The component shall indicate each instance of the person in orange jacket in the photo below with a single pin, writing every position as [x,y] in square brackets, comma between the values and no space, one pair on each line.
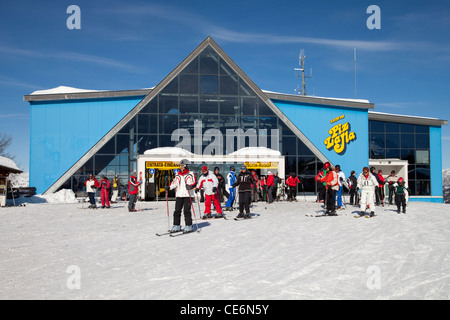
[332,185]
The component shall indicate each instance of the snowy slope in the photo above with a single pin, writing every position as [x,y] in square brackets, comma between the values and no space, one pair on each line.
[280,254]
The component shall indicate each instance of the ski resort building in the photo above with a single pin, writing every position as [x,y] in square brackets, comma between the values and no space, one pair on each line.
[209,107]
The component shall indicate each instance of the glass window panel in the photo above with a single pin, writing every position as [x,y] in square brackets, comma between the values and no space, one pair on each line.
[164,140]
[122,160]
[392,140]
[290,165]
[249,106]
[249,122]
[393,153]
[151,107]
[228,122]
[109,147]
[392,127]
[377,154]
[404,127]
[376,126]
[409,155]
[244,89]
[209,84]
[209,104]
[123,143]
[168,103]
[225,69]
[289,145]
[168,124]
[423,172]
[209,121]
[423,188]
[303,149]
[229,105]
[411,172]
[209,63]
[147,123]
[267,123]
[264,109]
[422,141]
[407,141]
[171,87]
[307,165]
[412,187]
[188,84]
[192,67]
[146,142]
[129,127]
[377,141]
[284,129]
[101,163]
[422,129]
[229,85]
[308,183]
[188,104]
[422,156]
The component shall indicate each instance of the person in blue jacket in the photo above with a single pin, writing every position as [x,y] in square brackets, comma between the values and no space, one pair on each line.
[231,178]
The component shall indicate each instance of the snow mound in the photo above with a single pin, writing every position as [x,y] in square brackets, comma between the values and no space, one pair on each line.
[60,197]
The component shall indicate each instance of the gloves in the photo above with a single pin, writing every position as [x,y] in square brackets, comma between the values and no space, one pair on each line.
[214,189]
[189,187]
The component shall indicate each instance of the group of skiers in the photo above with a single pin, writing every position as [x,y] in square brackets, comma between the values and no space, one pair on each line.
[109,191]
[368,188]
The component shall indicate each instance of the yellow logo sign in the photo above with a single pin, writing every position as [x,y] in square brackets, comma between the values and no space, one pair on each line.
[261,165]
[166,165]
[340,136]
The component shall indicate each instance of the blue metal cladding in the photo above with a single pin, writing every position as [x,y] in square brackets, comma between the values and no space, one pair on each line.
[319,123]
[63,131]
[436,162]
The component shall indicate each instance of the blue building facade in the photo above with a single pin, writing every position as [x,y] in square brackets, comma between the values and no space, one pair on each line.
[102,132]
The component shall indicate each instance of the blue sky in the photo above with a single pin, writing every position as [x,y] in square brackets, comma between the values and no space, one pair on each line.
[404,67]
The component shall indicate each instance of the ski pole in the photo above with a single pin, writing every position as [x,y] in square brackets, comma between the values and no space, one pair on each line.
[193,211]
[198,203]
[168,215]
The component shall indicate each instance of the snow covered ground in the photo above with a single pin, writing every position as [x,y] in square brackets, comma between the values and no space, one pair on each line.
[59,251]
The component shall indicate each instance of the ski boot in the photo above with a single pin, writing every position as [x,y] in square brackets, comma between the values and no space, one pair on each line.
[188,229]
[175,228]
[247,216]
[218,216]
[240,215]
[207,216]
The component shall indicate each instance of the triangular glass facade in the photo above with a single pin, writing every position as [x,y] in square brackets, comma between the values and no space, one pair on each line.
[207,89]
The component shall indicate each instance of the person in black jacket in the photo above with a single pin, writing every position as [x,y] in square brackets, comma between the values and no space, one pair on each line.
[245,182]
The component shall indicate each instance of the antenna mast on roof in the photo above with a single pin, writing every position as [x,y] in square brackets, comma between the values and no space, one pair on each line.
[301,74]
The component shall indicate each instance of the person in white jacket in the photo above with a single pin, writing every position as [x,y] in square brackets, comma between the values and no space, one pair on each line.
[184,183]
[209,183]
[366,184]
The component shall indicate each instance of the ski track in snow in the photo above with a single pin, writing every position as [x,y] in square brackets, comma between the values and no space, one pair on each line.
[282,254]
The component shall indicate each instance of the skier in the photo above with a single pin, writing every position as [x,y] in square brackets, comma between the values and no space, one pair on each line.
[231,178]
[377,189]
[391,180]
[221,186]
[91,184]
[400,195]
[133,189]
[245,181]
[332,185]
[115,188]
[292,185]
[381,183]
[341,180]
[321,185]
[270,182]
[352,183]
[105,187]
[209,183]
[184,183]
[367,184]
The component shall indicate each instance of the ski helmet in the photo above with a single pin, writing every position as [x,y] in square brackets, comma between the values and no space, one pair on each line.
[400,180]
[326,165]
[185,163]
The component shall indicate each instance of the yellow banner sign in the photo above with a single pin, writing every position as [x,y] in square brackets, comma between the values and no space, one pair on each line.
[162,165]
[261,165]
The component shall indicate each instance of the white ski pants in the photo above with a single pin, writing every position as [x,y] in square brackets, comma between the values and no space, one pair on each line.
[367,198]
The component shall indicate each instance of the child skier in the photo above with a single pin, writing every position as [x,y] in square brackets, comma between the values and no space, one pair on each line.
[209,183]
[367,183]
[184,183]
[245,182]
[400,196]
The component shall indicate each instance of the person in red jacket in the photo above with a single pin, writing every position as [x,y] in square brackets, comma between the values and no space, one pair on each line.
[105,187]
[133,189]
[332,185]
[292,184]
[381,182]
[270,186]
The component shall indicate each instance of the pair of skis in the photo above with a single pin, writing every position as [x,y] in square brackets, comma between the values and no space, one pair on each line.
[177,233]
